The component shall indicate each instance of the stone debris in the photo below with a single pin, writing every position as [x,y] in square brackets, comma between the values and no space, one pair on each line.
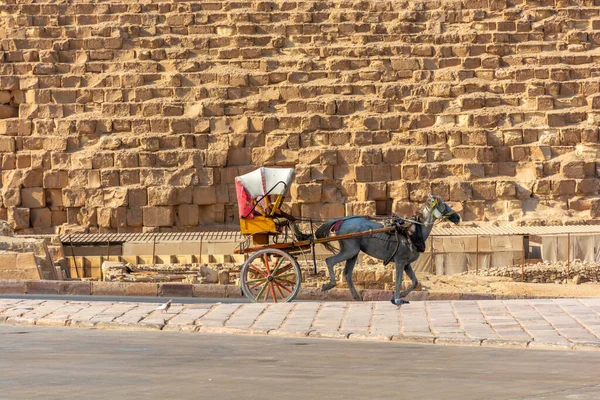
[119,271]
[25,258]
[559,272]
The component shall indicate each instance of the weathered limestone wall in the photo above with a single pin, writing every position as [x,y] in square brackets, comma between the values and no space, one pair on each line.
[128,116]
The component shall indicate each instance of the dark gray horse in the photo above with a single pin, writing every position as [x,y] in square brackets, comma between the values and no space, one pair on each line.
[382,246]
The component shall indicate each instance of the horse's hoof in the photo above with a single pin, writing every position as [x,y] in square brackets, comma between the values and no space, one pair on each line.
[399,302]
[325,287]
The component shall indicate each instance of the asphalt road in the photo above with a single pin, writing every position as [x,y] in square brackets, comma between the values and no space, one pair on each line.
[61,363]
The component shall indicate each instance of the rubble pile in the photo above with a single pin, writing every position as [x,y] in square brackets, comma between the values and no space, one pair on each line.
[25,258]
[559,272]
[185,273]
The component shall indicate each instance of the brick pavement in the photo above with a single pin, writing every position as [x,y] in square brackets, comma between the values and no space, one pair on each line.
[538,323]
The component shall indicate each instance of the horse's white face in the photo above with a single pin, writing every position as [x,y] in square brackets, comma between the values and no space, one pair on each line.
[441,210]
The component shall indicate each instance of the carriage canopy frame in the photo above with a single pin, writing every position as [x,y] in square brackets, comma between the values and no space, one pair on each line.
[253,187]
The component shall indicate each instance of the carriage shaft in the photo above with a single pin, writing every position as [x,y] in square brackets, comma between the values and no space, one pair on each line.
[306,243]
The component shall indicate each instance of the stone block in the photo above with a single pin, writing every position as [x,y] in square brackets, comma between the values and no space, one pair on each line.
[162,196]
[204,195]
[564,187]
[325,211]
[134,216]
[483,190]
[137,197]
[109,178]
[108,288]
[41,217]
[8,261]
[187,215]
[33,197]
[175,290]
[126,160]
[213,291]
[361,208]
[307,193]
[113,270]
[595,208]
[183,195]
[141,289]
[115,197]
[19,217]
[404,207]
[81,161]
[377,295]
[56,179]
[398,190]
[7,144]
[73,197]
[573,169]
[376,191]
[12,287]
[158,216]
[42,287]
[11,197]
[75,288]
[588,186]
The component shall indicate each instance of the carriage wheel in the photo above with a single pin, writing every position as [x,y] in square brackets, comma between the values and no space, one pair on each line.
[271,275]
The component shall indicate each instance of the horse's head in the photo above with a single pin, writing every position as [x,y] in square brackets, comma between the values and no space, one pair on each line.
[441,210]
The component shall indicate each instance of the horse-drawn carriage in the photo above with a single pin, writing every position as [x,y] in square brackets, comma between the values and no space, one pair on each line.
[272,273]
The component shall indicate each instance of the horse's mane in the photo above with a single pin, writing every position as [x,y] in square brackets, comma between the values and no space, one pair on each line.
[416,237]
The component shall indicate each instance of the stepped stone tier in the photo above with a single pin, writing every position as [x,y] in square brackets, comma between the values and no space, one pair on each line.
[137,116]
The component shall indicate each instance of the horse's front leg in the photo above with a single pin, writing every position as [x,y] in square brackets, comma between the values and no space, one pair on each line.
[398,294]
[413,278]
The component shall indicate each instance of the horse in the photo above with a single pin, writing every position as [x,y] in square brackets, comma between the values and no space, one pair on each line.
[383,246]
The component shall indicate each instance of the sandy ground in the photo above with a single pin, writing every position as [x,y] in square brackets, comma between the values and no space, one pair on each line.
[501,285]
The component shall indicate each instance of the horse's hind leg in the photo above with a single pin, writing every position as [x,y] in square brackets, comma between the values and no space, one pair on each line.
[344,254]
[330,264]
[350,263]
[399,276]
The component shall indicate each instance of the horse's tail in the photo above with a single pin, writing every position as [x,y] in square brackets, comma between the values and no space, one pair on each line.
[323,232]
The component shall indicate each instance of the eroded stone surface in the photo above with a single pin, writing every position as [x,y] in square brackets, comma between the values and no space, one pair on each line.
[150,136]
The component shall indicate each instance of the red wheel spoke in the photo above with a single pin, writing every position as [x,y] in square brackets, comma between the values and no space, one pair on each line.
[279,286]
[283,269]
[256,280]
[273,292]
[255,269]
[265,291]
[266,259]
[277,266]
[258,284]
[262,290]
[286,281]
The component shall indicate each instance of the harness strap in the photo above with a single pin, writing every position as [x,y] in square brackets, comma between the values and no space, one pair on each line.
[387,261]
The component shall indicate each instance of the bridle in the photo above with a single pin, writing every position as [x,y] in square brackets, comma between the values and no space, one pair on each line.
[435,211]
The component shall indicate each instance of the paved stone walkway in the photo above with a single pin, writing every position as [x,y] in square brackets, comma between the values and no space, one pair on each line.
[551,323]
